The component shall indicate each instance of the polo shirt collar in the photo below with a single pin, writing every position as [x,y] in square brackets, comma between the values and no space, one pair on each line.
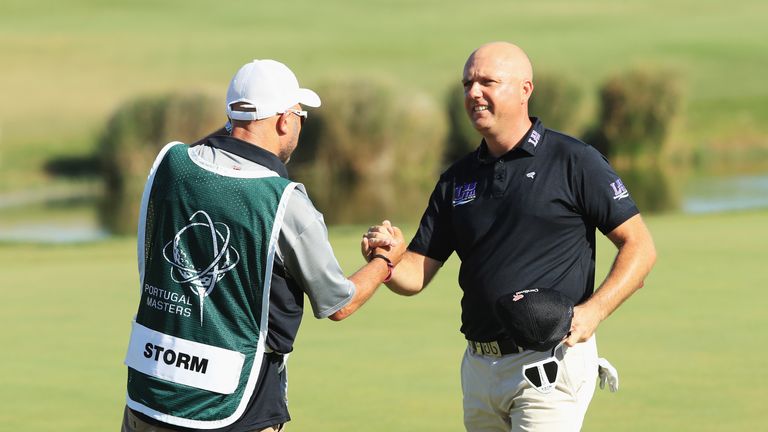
[527,143]
[532,138]
[249,151]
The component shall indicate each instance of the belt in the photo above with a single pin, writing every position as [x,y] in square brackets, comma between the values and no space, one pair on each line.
[495,348]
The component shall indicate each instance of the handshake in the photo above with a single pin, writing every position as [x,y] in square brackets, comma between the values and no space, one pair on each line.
[383,241]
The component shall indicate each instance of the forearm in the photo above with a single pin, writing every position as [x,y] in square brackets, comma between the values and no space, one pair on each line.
[412,274]
[636,255]
[413,271]
[367,281]
[628,272]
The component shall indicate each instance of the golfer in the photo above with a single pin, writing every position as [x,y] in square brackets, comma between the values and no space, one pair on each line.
[228,246]
[521,213]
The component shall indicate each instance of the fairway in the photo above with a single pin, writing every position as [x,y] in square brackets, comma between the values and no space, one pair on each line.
[85,58]
[689,346]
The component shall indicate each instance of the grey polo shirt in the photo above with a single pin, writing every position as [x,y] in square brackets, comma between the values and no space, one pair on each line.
[304,261]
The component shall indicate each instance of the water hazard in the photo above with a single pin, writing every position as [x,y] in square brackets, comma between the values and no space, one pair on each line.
[717,194]
[51,224]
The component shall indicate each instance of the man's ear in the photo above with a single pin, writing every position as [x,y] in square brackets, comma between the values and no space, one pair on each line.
[282,125]
[526,90]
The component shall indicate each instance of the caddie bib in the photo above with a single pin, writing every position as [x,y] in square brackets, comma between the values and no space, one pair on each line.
[207,239]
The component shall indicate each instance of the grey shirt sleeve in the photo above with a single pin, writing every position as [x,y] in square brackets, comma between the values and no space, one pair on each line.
[308,257]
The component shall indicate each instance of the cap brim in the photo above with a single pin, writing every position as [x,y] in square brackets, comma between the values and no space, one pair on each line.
[308,97]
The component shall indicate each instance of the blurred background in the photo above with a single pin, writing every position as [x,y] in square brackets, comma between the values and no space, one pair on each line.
[673,92]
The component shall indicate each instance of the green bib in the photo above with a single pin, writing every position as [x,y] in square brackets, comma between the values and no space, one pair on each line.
[207,236]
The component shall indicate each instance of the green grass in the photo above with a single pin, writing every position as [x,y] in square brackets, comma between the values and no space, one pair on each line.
[68,65]
[690,346]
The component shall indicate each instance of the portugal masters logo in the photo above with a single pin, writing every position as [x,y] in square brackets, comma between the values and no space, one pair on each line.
[210,262]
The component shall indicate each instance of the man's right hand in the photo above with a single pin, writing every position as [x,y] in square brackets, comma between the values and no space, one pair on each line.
[415,270]
[383,239]
[367,279]
[386,240]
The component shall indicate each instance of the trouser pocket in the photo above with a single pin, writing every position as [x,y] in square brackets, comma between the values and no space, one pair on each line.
[580,365]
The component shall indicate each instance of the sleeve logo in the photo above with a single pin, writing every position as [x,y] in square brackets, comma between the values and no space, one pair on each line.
[619,190]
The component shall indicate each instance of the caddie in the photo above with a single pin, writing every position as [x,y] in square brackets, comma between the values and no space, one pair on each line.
[228,246]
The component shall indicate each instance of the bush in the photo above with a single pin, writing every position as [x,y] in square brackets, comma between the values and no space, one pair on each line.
[637,111]
[131,140]
[654,188]
[371,151]
[557,101]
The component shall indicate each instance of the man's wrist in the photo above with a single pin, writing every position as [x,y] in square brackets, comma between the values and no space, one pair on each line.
[390,266]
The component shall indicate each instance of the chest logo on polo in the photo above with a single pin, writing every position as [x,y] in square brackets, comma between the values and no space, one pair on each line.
[619,190]
[531,175]
[200,255]
[464,193]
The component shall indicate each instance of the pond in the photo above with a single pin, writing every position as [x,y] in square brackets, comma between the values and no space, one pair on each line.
[717,194]
[67,220]
[53,233]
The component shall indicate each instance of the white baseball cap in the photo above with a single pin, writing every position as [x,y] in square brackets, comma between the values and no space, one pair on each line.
[266,88]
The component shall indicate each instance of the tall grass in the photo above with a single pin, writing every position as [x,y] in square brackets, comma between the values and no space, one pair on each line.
[373,148]
[131,140]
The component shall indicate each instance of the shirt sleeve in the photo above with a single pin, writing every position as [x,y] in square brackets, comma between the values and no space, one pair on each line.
[308,257]
[601,195]
[434,238]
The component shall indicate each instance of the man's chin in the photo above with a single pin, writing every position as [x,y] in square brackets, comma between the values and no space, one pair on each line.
[480,126]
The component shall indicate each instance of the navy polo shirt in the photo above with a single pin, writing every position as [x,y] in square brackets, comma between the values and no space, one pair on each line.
[524,220]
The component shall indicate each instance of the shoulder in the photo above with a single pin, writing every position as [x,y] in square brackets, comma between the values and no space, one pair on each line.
[169,153]
[173,148]
[299,199]
[300,212]
[561,145]
[563,142]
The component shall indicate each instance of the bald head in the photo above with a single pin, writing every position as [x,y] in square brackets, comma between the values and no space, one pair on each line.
[498,81]
[506,57]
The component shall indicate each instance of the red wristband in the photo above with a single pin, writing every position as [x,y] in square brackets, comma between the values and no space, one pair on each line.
[390,266]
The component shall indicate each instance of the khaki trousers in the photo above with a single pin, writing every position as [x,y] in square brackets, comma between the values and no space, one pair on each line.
[131,423]
[497,398]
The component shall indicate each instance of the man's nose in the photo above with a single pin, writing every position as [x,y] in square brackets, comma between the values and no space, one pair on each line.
[474,90]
